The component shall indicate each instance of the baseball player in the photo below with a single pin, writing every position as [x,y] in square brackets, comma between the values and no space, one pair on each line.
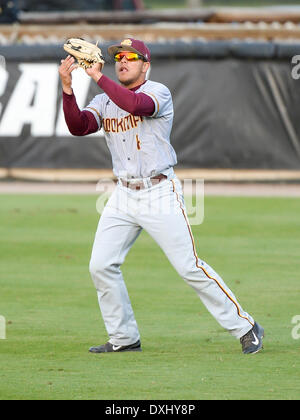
[137,115]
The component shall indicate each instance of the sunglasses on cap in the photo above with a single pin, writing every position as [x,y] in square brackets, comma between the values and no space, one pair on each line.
[130,56]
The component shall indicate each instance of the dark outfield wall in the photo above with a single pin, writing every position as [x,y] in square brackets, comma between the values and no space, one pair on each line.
[236,106]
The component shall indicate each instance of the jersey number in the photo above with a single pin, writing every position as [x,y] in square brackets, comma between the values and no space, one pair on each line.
[138,142]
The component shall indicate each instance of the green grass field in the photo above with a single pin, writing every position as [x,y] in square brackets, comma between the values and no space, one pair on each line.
[52,315]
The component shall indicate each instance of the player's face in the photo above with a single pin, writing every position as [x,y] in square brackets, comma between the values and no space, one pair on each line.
[131,73]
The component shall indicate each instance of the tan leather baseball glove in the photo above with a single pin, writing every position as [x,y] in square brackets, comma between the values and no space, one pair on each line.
[84,52]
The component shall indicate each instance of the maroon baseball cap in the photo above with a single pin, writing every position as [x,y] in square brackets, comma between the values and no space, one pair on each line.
[133,45]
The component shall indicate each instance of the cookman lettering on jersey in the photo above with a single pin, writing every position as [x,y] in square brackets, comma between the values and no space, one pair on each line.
[117,125]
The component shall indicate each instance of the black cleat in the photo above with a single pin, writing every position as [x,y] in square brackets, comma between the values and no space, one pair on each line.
[252,341]
[112,348]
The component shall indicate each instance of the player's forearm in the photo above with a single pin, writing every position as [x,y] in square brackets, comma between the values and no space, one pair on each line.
[138,104]
[80,123]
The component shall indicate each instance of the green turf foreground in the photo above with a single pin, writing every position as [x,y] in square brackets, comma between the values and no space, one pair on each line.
[52,315]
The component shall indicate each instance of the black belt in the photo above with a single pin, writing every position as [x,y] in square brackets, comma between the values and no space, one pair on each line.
[140,185]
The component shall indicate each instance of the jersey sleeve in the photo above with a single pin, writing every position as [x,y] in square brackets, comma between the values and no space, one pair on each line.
[137,104]
[96,108]
[162,99]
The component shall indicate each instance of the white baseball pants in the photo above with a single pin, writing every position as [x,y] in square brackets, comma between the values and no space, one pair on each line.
[161,212]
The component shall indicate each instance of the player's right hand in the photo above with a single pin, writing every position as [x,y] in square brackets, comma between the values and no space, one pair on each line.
[65,72]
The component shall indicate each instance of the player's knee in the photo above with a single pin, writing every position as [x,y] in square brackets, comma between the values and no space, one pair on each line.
[102,271]
[193,276]
[184,272]
[97,267]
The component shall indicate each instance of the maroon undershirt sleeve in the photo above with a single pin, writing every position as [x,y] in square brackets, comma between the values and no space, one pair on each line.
[80,123]
[138,104]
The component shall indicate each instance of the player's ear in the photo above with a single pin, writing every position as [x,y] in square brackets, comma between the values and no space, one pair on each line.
[146,66]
